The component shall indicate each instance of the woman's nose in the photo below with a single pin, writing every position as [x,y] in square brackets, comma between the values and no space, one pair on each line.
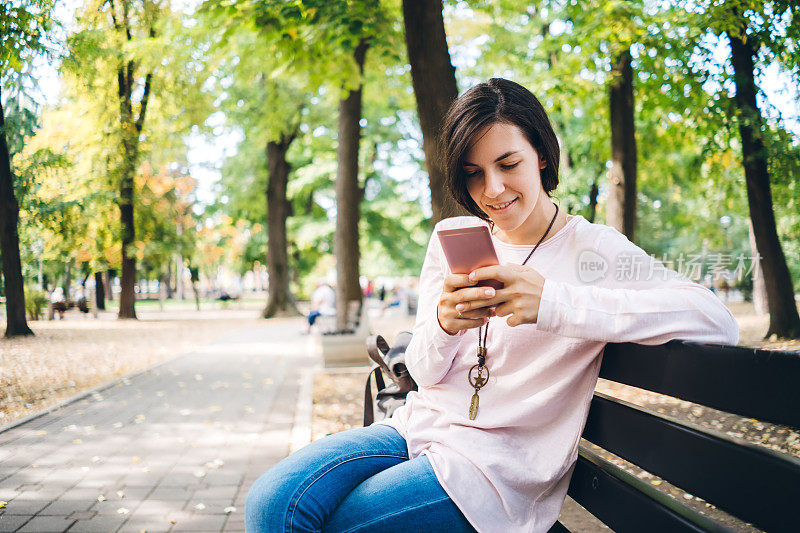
[493,185]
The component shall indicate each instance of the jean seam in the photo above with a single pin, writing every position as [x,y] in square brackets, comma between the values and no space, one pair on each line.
[403,510]
[303,489]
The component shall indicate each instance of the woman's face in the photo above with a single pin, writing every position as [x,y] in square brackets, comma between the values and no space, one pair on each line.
[502,170]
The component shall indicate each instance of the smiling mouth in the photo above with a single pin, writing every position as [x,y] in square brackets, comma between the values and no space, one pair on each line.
[503,206]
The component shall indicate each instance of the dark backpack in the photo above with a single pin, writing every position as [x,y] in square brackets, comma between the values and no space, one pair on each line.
[390,361]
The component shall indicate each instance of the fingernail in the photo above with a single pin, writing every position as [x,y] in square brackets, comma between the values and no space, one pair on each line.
[460,307]
[472,276]
[489,292]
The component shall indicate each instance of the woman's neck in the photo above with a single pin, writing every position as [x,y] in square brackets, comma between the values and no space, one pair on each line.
[536,224]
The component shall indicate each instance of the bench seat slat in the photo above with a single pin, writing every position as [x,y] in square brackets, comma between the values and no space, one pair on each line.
[625,503]
[754,383]
[755,484]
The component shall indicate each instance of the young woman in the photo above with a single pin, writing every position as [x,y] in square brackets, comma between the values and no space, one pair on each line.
[505,376]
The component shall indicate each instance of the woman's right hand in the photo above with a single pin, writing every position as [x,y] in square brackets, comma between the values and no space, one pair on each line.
[457,293]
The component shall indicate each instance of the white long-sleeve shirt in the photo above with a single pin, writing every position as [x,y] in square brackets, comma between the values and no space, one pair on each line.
[509,469]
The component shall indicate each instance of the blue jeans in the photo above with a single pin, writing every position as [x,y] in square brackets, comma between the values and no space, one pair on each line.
[356,480]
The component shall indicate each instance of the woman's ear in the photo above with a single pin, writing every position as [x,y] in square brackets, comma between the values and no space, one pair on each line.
[542,163]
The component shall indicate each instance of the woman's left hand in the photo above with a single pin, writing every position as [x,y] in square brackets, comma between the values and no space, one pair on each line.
[521,293]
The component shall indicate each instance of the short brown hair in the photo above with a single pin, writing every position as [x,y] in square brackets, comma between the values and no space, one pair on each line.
[495,101]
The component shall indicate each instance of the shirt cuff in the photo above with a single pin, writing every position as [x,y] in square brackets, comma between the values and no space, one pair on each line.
[439,337]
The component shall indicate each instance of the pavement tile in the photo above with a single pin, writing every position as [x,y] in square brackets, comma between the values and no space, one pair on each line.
[66,506]
[169,439]
[224,478]
[8,494]
[236,525]
[26,507]
[112,506]
[137,524]
[47,493]
[35,475]
[99,482]
[200,506]
[159,508]
[170,493]
[224,492]
[82,515]
[10,522]
[135,492]
[201,523]
[179,480]
[29,487]
[80,493]
[46,524]
[98,524]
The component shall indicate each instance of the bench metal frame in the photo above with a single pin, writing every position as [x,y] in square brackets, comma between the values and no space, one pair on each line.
[752,483]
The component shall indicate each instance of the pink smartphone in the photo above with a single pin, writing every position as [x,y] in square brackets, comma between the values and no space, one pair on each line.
[469,248]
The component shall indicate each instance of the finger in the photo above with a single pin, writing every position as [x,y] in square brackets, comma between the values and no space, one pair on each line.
[475,305]
[483,312]
[453,282]
[474,294]
[471,323]
[503,309]
[497,272]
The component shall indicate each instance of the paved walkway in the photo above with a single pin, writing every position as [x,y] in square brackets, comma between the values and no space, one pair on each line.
[172,449]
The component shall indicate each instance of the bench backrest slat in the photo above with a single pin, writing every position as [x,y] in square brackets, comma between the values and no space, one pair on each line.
[760,384]
[625,503]
[753,483]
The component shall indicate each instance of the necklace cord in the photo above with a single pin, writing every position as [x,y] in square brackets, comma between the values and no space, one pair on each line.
[482,375]
[485,329]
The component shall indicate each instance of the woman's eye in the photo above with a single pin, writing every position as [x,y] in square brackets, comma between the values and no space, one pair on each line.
[509,166]
[471,173]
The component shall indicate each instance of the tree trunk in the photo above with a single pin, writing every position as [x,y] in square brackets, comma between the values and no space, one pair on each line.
[759,287]
[593,192]
[280,301]
[179,285]
[108,285]
[348,199]
[127,296]
[621,206]
[67,281]
[131,130]
[784,321]
[195,277]
[16,323]
[434,79]
[170,281]
[99,292]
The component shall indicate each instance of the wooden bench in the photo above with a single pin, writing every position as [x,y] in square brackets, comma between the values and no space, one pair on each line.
[754,484]
[357,322]
[344,348]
